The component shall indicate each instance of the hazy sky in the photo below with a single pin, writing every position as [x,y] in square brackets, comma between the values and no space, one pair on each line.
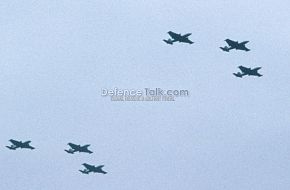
[231,133]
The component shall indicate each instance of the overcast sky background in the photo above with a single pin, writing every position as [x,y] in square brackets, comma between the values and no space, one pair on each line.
[231,133]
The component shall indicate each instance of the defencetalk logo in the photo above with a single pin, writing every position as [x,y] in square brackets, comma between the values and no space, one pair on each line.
[145,94]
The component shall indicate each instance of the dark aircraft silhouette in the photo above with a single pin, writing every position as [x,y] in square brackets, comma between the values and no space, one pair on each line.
[91,168]
[235,45]
[248,71]
[19,144]
[78,148]
[178,38]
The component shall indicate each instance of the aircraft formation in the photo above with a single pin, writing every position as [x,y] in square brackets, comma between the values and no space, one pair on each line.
[174,37]
[244,71]
[73,148]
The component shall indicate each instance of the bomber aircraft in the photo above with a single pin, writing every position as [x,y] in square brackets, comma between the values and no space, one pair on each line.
[78,148]
[235,45]
[91,168]
[248,71]
[178,38]
[19,144]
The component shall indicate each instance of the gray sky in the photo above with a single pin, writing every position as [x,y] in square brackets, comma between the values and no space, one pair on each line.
[231,133]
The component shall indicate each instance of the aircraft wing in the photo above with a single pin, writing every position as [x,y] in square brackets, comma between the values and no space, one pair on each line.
[244,69]
[231,42]
[89,167]
[14,142]
[73,146]
[173,35]
[188,41]
[245,42]
[100,166]
[186,35]
[257,68]
[27,142]
[244,48]
[86,146]
[31,147]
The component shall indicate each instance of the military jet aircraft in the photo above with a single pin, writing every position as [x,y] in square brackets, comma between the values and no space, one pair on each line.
[78,148]
[178,38]
[248,71]
[19,144]
[235,45]
[91,168]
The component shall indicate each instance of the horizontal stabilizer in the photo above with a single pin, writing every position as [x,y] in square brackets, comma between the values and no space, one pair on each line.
[168,41]
[69,151]
[11,147]
[240,75]
[84,171]
[226,49]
